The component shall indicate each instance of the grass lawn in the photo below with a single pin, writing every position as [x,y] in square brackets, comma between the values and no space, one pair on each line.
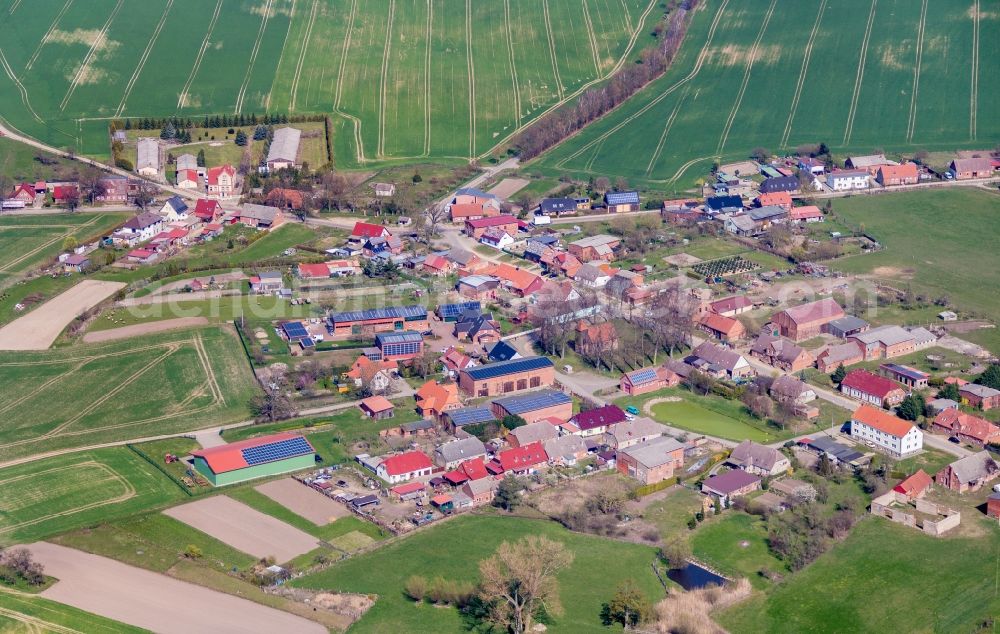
[956,258]
[155,542]
[179,447]
[884,577]
[930,460]
[670,514]
[452,549]
[711,415]
[70,397]
[36,289]
[24,613]
[217,254]
[54,495]
[219,310]
[735,544]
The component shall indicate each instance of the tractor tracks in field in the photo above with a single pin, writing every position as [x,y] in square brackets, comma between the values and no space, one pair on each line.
[384,80]
[974,88]
[859,78]
[143,58]
[666,130]
[802,73]
[510,56]
[20,87]
[699,62]
[427,78]
[592,39]
[85,65]
[241,95]
[182,98]
[912,121]
[472,78]
[48,34]
[552,49]
[293,97]
[746,78]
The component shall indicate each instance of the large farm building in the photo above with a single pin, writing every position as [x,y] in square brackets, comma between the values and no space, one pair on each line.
[254,458]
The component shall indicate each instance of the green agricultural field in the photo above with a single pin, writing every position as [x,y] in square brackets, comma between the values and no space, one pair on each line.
[941,242]
[54,495]
[903,568]
[452,551]
[26,613]
[405,78]
[29,241]
[856,74]
[128,389]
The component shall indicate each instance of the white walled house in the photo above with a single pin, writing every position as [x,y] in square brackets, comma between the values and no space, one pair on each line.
[890,434]
[847,180]
[140,228]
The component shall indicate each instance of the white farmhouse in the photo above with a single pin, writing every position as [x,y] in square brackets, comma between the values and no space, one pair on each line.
[148,163]
[891,434]
[847,180]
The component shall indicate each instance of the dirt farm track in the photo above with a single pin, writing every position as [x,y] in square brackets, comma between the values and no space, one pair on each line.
[154,601]
[39,329]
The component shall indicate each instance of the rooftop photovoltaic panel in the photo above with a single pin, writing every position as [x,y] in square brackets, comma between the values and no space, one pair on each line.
[494,370]
[276,451]
[532,402]
[622,198]
[453,310]
[389,312]
[470,416]
[308,342]
[643,376]
[398,337]
[295,330]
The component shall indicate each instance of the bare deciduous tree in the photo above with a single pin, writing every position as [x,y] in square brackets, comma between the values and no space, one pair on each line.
[519,581]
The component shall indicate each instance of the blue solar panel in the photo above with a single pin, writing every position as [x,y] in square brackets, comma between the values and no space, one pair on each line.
[532,402]
[513,366]
[390,312]
[622,198]
[276,451]
[470,416]
[307,342]
[408,336]
[294,330]
[453,310]
[643,376]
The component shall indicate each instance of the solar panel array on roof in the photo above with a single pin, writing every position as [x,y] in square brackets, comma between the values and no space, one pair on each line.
[513,366]
[307,342]
[407,336]
[389,312]
[622,198]
[643,376]
[276,451]
[532,402]
[454,310]
[295,330]
[470,416]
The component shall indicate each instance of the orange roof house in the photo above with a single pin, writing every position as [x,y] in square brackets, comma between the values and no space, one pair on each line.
[434,399]
[722,328]
[893,175]
[780,199]
[286,198]
[882,420]
[914,486]
[515,279]
[966,427]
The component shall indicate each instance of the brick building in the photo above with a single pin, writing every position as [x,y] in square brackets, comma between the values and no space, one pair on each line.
[807,320]
[506,377]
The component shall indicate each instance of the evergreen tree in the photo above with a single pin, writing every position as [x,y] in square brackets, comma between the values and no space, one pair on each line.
[201,158]
[911,408]
[950,391]
[168,132]
[260,133]
[241,138]
[128,124]
[991,377]
[838,374]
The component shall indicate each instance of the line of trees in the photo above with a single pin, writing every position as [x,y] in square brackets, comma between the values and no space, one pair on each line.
[594,103]
[209,121]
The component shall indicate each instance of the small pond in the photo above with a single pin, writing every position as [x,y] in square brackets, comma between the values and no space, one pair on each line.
[692,577]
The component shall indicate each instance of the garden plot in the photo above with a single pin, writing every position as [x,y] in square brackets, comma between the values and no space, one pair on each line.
[244,528]
[304,501]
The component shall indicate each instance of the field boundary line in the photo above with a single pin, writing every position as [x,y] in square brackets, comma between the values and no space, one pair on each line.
[618,65]
[302,55]
[241,95]
[683,168]
[802,73]
[513,68]
[702,55]
[383,80]
[427,78]
[912,122]
[183,96]
[14,7]
[591,38]
[666,130]
[20,87]
[974,90]
[552,48]
[98,41]
[48,34]
[746,78]
[143,58]
[142,421]
[859,78]
[114,476]
[472,78]
[343,56]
